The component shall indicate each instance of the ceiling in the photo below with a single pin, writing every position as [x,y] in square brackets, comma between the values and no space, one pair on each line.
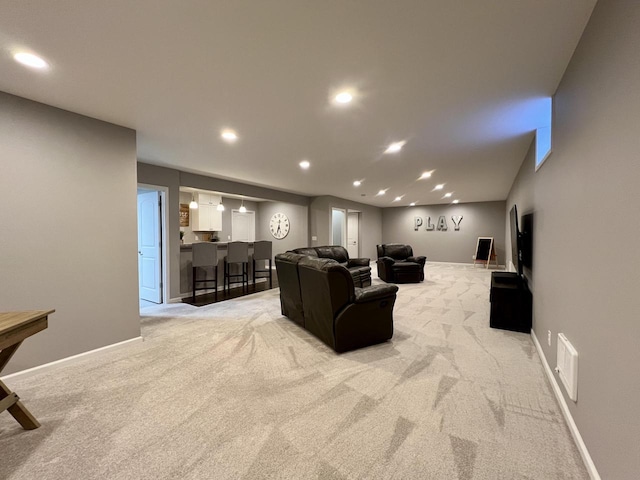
[460,81]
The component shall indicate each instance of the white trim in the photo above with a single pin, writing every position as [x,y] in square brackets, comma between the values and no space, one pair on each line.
[491,269]
[70,360]
[573,428]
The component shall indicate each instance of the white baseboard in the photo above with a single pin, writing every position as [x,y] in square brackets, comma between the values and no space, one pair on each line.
[68,360]
[573,428]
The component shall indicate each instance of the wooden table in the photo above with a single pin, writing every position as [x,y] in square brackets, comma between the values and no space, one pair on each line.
[14,328]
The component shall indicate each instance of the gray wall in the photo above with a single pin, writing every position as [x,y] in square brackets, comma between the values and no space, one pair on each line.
[483,219]
[370,223]
[298,219]
[69,228]
[586,269]
[174,179]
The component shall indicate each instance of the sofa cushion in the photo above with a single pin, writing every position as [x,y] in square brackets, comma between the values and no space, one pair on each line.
[397,251]
[336,252]
[310,251]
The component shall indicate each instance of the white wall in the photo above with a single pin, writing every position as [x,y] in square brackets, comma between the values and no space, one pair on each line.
[586,265]
[69,228]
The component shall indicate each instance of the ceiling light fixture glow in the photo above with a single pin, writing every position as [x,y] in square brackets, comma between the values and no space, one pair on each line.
[229,135]
[412,204]
[395,147]
[357,183]
[440,186]
[381,192]
[397,199]
[304,164]
[193,205]
[343,98]
[448,194]
[242,208]
[456,201]
[30,60]
[426,175]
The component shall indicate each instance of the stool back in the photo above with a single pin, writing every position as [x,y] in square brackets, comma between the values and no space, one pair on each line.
[238,252]
[205,254]
[262,250]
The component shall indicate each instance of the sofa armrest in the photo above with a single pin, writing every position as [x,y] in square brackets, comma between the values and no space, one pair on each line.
[375,292]
[358,262]
[386,260]
[421,260]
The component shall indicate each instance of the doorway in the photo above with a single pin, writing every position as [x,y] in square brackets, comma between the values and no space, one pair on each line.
[151,244]
[338,227]
[353,234]
[243,226]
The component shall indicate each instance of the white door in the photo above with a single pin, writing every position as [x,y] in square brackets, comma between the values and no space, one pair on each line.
[149,247]
[243,226]
[353,240]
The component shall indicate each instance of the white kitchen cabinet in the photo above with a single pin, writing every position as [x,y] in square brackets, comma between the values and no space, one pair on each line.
[207,218]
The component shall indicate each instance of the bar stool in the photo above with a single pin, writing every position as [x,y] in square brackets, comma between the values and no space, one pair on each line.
[262,251]
[237,252]
[205,255]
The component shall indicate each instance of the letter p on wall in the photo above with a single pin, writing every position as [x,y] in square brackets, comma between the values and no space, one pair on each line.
[417,223]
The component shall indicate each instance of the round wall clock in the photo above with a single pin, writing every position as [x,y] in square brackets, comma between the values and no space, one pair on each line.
[279,225]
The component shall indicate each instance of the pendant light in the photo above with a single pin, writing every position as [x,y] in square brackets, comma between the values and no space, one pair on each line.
[242,209]
[193,204]
[220,206]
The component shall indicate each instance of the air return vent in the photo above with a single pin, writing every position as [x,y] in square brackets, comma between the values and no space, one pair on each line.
[567,368]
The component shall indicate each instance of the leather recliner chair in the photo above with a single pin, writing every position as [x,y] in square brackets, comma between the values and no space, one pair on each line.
[396,264]
[358,267]
[319,295]
[289,282]
[342,316]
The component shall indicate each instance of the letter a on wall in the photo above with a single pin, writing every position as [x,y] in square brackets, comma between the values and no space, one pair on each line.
[442,223]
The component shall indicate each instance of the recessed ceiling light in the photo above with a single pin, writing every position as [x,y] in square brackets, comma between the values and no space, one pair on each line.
[357,183]
[30,60]
[395,147]
[447,195]
[440,186]
[343,98]
[397,199]
[229,135]
[412,204]
[381,192]
[426,175]
[304,164]
[456,201]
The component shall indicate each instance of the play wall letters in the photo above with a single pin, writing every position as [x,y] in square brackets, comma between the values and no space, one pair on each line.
[440,225]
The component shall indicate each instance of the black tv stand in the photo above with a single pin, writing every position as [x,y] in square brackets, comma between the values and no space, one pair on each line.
[510,302]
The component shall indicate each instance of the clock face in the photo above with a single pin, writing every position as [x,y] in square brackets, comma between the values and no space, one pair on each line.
[279,225]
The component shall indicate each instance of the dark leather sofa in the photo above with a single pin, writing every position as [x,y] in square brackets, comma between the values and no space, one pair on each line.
[397,264]
[358,267]
[319,295]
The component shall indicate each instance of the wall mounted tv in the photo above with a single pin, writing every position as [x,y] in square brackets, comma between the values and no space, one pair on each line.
[521,241]
[515,240]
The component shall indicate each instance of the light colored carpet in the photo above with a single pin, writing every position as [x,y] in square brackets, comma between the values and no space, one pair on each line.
[235,390]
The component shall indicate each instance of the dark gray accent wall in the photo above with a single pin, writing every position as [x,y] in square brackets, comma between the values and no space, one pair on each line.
[586,269]
[482,219]
[320,223]
[69,228]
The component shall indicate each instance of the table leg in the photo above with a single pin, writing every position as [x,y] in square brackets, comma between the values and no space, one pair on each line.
[17,409]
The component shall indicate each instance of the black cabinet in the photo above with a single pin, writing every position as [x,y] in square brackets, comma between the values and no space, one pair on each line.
[510,302]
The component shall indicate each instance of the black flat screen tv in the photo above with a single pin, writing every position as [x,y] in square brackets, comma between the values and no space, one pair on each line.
[516,241]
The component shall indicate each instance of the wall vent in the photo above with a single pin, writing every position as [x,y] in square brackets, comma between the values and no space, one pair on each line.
[567,368]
